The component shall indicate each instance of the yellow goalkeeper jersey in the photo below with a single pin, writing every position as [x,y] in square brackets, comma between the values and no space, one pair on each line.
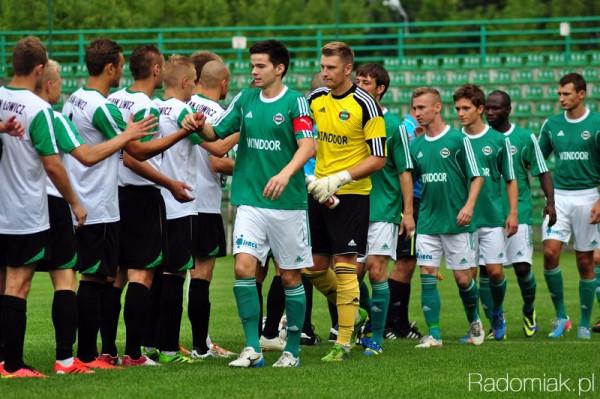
[350,129]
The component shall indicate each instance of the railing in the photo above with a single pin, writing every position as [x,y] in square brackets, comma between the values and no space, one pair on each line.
[370,41]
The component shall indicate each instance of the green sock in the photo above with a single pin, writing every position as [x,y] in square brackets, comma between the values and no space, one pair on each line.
[528,286]
[485,296]
[555,286]
[248,306]
[470,298]
[498,291]
[430,302]
[364,299]
[587,289]
[295,308]
[379,308]
[597,270]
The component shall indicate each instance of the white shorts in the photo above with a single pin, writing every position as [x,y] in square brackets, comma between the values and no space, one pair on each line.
[285,232]
[458,249]
[490,245]
[519,247]
[573,208]
[382,240]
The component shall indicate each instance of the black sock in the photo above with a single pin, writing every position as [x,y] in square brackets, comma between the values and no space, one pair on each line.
[150,339]
[333,314]
[14,321]
[275,308]
[137,303]
[109,318]
[404,299]
[89,298]
[308,290]
[64,318]
[199,313]
[171,307]
[1,336]
[260,303]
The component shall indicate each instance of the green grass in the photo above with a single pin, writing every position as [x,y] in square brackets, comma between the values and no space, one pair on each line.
[402,371]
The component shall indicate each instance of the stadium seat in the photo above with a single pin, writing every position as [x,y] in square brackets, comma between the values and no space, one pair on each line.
[446,95]
[534,93]
[590,74]
[513,61]
[523,109]
[534,125]
[595,58]
[450,62]
[493,61]
[430,63]
[439,78]
[303,66]
[418,79]
[482,77]
[556,60]
[535,60]
[460,78]
[398,79]
[544,109]
[545,76]
[524,76]
[578,59]
[503,77]
[391,64]
[471,62]
[592,105]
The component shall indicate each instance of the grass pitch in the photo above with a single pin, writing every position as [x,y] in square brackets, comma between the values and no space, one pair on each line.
[518,367]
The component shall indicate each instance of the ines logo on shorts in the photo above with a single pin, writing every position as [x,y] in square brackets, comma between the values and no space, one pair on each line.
[240,241]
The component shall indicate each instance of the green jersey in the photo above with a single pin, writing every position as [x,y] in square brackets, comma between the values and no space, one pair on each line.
[527,157]
[446,164]
[493,154]
[576,147]
[386,194]
[269,129]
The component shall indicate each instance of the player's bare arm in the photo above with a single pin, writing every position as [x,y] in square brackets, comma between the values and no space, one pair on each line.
[407,224]
[58,175]
[466,213]
[512,221]
[12,127]
[548,188]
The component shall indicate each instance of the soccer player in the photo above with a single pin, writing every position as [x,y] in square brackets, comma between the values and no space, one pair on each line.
[574,138]
[444,160]
[208,233]
[493,152]
[596,327]
[24,221]
[276,140]
[391,193]
[98,120]
[527,156]
[398,324]
[61,254]
[351,147]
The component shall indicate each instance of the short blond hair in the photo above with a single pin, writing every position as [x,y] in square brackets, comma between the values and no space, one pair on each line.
[421,91]
[340,49]
[175,68]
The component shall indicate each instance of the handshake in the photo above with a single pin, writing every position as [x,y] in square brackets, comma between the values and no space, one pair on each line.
[323,189]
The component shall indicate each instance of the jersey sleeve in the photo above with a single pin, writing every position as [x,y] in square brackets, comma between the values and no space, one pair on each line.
[545,141]
[534,157]
[41,131]
[230,121]
[373,124]
[301,118]
[194,138]
[399,151]
[143,113]
[66,134]
[468,160]
[413,157]
[108,120]
[508,170]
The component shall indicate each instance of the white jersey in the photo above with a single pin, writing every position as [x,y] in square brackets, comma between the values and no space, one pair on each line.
[67,139]
[23,200]
[180,161]
[208,182]
[97,120]
[138,105]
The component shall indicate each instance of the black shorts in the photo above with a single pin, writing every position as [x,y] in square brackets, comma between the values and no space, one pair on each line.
[342,230]
[406,248]
[61,251]
[208,236]
[98,249]
[142,226]
[22,249]
[178,254]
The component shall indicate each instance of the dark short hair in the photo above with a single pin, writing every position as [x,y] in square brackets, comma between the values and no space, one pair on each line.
[100,53]
[142,59]
[575,78]
[470,92]
[377,72]
[277,52]
[28,53]
[505,96]
[201,58]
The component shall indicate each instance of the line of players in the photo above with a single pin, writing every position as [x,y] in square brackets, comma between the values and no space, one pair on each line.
[352,144]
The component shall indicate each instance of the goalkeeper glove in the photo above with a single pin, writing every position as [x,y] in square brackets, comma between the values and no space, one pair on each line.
[323,188]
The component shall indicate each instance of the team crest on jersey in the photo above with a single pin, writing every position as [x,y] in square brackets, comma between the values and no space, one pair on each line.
[487,150]
[278,118]
[586,135]
[344,115]
[445,153]
[513,149]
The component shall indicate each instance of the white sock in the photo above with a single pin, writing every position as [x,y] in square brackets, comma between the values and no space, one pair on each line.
[66,362]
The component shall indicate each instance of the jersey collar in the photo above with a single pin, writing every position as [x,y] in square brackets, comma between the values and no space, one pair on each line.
[439,136]
[585,115]
[478,135]
[509,131]
[277,97]
[350,90]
